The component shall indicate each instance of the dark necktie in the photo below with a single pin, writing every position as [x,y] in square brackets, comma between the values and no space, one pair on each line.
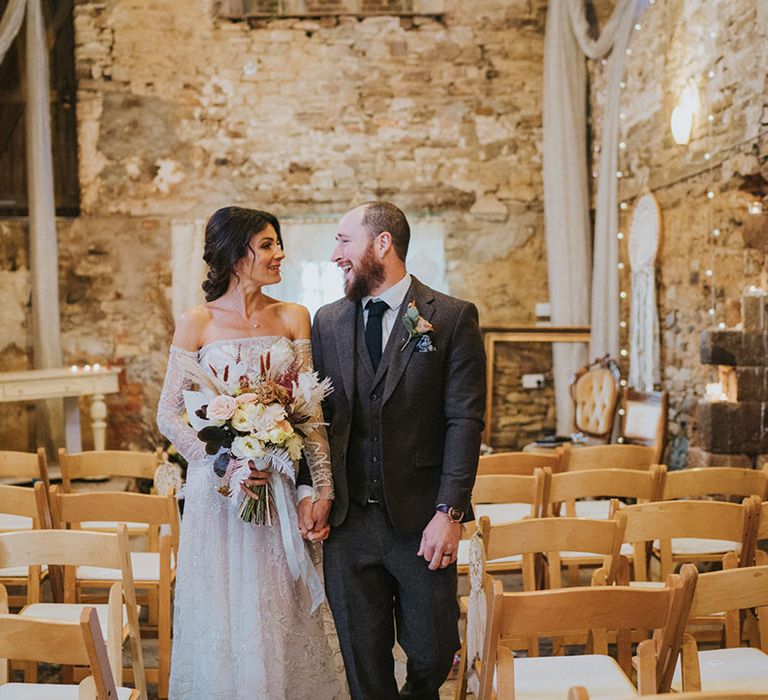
[373,334]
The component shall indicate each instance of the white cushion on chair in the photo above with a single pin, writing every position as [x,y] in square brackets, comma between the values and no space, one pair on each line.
[739,669]
[695,545]
[18,571]
[596,510]
[69,612]
[546,678]
[503,512]
[110,525]
[463,556]
[647,584]
[14,522]
[48,691]
[146,567]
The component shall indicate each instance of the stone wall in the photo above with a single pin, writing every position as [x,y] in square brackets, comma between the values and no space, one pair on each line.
[180,113]
[727,155]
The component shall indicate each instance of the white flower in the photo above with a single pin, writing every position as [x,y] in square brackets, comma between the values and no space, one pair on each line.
[244,417]
[247,446]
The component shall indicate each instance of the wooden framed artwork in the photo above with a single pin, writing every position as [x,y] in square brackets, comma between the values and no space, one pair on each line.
[531,357]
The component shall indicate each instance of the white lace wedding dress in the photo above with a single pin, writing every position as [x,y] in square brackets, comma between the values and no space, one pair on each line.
[242,626]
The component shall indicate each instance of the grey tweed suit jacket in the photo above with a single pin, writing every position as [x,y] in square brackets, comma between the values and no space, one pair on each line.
[432,411]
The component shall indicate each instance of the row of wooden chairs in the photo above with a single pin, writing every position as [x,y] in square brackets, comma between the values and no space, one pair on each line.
[659,664]
[155,517]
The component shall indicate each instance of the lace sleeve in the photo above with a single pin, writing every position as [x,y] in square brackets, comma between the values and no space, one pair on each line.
[170,409]
[316,443]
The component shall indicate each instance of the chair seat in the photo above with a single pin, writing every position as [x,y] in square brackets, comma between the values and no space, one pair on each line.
[463,556]
[110,525]
[503,512]
[14,522]
[596,510]
[647,584]
[694,545]
[740,669]
[48,691]
[146,567]
[18,571]
[70,612]
[546,678]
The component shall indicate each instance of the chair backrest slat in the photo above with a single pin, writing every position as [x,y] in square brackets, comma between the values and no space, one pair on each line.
[731,589]
[710,481]
[611,457]
[119,463]
[672,519]
[521,463]
[59,547]
[604,483]
[24,465]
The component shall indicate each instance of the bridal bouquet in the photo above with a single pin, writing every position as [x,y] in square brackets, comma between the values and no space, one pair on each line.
[261,419]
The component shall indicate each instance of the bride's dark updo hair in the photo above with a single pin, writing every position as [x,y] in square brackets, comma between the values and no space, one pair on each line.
[227,238]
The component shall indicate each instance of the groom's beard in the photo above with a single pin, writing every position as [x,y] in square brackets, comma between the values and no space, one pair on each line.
[368,274]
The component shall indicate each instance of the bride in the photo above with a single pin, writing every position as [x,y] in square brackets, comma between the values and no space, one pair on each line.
[243,627]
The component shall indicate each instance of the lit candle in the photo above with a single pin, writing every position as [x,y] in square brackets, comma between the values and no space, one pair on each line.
[97,367]
[756,208]
[73,369]
[86,368]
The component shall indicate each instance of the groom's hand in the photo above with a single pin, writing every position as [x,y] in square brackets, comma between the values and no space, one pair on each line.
[440,542]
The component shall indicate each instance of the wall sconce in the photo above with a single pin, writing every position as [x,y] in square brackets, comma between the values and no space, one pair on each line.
[684,113]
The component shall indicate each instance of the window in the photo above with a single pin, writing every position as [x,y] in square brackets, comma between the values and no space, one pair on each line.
[59,23]
[311,279]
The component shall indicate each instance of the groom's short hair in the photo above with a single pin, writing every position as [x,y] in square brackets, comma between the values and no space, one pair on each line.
[385,216]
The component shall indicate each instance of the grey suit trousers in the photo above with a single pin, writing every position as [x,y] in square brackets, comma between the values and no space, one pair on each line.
[379,590]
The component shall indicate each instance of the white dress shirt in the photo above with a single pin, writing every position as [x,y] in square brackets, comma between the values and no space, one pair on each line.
[394,297]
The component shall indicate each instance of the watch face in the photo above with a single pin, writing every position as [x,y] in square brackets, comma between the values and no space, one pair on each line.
[455,514]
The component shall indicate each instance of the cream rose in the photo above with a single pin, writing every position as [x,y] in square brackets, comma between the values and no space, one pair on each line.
[221,408]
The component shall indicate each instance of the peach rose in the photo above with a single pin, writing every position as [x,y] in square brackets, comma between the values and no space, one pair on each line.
[221,408]
[423,326]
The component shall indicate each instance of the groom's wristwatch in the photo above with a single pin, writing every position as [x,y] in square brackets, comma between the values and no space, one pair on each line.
[454,514]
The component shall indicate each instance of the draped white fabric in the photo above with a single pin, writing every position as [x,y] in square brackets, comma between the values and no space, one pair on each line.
[188,269]
[645,343]
[42,210]
[566,192]
[10,24]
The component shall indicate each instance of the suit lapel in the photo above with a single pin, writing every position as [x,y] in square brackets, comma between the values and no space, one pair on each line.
[345,331]
[398,359]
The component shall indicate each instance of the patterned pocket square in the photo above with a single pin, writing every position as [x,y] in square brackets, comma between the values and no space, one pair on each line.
[424,344]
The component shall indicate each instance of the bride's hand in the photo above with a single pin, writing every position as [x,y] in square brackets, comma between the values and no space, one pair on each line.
[306,521]
[257,478]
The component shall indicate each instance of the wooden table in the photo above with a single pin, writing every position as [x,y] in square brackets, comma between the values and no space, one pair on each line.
[68,384]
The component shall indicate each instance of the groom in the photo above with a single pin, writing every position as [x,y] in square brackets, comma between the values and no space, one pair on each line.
[405,422]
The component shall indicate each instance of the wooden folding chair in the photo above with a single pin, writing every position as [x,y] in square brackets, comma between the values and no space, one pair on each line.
[77,642]
[31,504]
[733,668]
[588,494]
[610,457]
[107,463]
[154,571]
[552,537]
[503,498]
[569,612]
[522,463]
[118,618]
[689,528]
[18,468]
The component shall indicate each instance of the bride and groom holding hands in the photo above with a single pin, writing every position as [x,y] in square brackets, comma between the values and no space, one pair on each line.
[385,485]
